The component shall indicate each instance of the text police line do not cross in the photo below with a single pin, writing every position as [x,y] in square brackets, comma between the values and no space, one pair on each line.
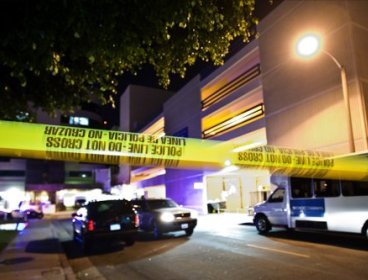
[52,142]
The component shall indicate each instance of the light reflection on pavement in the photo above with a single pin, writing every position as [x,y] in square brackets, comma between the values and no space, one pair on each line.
[13,226]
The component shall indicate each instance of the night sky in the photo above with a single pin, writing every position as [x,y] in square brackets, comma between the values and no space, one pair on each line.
[146,77]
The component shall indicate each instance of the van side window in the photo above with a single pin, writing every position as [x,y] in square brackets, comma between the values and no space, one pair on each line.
[301,187]
[277,196]
[354,188]
[326,188]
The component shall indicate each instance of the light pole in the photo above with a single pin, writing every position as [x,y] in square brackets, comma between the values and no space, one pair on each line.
[309,45]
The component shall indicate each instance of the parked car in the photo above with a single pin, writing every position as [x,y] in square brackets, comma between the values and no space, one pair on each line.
[17,215]
[164,215]
[79,202]
[32,214]
[5,215]
[105,219]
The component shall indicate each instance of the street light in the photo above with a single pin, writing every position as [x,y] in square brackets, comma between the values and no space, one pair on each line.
[308,46]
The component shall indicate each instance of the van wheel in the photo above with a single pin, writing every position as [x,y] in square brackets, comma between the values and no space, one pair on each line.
[262,224]
[365,230]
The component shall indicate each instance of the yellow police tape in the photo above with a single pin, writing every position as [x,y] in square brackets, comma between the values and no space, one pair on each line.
[52,142]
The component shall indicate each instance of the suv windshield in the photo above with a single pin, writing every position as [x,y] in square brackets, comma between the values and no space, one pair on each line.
[161,203]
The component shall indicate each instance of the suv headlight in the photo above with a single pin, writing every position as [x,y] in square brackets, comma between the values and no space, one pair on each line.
[194,214]
[167,217]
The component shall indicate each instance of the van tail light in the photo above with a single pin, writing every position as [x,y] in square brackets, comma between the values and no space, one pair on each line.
[136,220]
[91,225]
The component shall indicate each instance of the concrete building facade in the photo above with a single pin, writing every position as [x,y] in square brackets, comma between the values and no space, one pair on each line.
[265,94]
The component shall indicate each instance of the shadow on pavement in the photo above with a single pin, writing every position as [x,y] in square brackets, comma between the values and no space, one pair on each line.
[74,250]
[246,224]
[149,237]
[355,242]
[45,246]
[16,260]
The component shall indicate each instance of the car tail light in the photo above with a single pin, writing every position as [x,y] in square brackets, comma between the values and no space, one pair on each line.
[136,220]
[91,225]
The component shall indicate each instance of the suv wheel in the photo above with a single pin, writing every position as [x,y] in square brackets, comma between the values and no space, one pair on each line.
[189,232]
[129,241]
[86,244]
[156,231]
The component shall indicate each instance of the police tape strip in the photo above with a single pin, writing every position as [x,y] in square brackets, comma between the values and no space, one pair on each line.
[40,141]
[104,146]
[304,163]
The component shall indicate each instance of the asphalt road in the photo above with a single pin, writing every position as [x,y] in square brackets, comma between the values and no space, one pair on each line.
[223,249]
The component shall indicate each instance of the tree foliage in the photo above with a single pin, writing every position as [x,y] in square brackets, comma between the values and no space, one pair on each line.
[56,54]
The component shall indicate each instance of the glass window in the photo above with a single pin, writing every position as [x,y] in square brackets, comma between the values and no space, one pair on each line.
[326,188]
[139,205]
[82,174]
[12,173]
[277,196]
[301,187]
[161,203]
[78,121]
[354,188]
[109,207]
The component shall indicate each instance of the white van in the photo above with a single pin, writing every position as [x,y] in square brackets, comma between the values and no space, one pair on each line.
[315,204]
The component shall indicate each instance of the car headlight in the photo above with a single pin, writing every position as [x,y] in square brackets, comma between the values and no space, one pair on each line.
[167,217]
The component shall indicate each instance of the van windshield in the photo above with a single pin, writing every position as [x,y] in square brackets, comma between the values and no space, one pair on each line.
[277,196]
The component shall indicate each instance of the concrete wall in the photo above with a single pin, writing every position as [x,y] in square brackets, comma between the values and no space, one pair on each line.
[184,109]
[139,105]
[183,112]
[303,99]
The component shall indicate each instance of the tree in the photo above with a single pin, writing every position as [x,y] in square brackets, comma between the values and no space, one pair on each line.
[57,54]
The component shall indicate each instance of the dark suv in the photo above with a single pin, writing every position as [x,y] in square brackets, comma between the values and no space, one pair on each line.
[105,219]
[164,215]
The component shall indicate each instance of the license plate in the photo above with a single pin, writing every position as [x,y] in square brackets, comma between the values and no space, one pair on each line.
[115,227]
[184,226]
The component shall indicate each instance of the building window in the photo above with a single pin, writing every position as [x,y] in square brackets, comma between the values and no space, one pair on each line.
[231,86]
[12,173]
[236,121]
[78,121]
[80,174]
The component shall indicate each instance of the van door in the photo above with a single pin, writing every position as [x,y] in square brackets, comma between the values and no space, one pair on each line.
[277,207]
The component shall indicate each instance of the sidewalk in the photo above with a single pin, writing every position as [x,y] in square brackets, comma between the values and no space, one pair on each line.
[35,253]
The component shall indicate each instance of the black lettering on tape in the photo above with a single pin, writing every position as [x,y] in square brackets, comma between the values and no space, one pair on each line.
[95,134]
[65,143]
[64,131]
[96,145]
